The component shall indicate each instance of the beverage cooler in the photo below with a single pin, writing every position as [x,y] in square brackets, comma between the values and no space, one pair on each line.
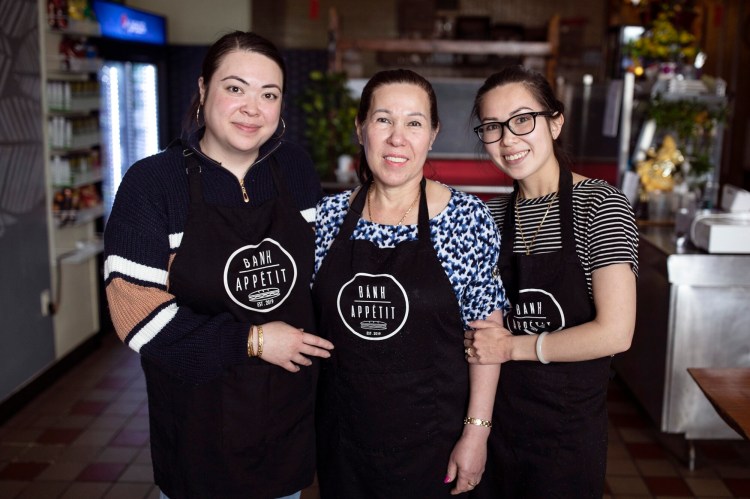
[132,81]
[129,120]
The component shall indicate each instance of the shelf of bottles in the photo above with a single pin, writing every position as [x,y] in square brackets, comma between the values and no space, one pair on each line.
[73,103]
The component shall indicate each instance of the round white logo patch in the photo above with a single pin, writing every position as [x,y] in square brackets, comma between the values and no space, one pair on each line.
[260,277]
[536,311]
[373,306]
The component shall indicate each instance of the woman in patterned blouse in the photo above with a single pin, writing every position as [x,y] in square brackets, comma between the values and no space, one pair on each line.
[402,266]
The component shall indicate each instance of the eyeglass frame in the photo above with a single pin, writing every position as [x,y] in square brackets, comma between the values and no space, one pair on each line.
[505,124]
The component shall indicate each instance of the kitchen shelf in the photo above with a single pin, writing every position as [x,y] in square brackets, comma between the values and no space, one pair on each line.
[76,218]
[84,251]
[70,67]
[78,28]
[81,179]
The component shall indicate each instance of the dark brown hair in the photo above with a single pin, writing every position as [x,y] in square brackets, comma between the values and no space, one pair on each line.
[235,41]
[388,77]
[539,88]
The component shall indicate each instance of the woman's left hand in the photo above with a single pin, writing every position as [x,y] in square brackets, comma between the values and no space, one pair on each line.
[488,343]
[466,464]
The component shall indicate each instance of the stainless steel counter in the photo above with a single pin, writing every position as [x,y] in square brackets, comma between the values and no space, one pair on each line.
[692,312]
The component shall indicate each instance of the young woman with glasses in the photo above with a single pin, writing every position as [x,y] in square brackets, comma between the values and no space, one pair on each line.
[568,261]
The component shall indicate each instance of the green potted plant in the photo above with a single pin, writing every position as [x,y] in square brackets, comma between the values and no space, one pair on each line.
[330,111]
[694,122]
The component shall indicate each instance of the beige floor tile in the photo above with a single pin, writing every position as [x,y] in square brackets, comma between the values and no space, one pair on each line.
[11,489]
[122,408]
[733,471]
[86,490]
[137,423]
[109,422]
[23,436]
[129,491]
[656,467]
[80,453]
[138,473]
[702,472]
[624,485]
[617,451]
[143,457]
[117,455]
[621,467]
[620,407]
[635,436]
[43,490]
[99,437]
[9,452]
[75,421]
[708,487]
[64,471]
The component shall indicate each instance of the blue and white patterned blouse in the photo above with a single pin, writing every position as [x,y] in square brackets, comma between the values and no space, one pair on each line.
[465,239]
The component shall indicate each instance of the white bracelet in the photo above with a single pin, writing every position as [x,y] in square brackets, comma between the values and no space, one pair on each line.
[539,340]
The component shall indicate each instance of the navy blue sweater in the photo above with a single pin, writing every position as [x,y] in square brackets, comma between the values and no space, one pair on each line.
[143,235]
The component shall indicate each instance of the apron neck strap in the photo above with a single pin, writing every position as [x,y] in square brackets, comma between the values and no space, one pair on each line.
[424,213]
[278,178]
[193,170]
[565,200]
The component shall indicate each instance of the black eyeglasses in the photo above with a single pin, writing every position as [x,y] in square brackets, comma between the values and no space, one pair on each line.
[520,124]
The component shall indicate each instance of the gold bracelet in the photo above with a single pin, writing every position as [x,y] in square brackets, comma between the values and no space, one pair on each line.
[260,341]
[250,350]
[478,422]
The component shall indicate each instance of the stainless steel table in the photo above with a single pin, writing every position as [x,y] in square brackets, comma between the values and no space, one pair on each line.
[693,312]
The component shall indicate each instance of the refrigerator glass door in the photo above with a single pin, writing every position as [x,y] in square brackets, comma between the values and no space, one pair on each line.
[129,120]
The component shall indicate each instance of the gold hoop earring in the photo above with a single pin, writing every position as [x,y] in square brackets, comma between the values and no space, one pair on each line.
[283,129]
[197,115]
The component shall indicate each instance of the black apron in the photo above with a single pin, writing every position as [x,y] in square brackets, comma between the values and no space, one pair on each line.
[549,437]
[249,433]
[394,393]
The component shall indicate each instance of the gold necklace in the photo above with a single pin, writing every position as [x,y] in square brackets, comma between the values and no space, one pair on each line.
[369,204]
[520,227]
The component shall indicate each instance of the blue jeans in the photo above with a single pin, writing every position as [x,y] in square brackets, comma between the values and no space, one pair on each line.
[296,495]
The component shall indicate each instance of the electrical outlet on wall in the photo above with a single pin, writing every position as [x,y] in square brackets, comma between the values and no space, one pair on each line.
[46,302]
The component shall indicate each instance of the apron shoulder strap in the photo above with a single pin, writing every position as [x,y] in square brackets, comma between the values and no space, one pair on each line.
[424,215]
[355,211]
[193,170]
[278,178]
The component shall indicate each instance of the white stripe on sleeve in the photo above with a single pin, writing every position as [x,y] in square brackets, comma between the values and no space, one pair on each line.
[135,270]
[152,327]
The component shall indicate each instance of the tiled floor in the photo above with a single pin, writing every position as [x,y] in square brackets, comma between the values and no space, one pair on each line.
[87,437]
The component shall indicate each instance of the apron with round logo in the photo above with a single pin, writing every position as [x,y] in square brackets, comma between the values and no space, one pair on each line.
[394,393]
[549,438]
[249,433]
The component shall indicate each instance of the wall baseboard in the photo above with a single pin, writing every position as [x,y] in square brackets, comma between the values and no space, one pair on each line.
[19,399]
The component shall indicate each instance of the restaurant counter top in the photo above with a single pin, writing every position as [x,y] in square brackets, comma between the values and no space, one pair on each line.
[687,264]
[691,312]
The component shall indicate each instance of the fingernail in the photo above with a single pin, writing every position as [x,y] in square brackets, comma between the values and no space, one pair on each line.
[447,479]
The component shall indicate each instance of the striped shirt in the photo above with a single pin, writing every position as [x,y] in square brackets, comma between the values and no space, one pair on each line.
[603,224]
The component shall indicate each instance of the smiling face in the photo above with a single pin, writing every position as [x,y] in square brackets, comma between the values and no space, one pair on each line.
[397,134]
[241,107]
[527,157]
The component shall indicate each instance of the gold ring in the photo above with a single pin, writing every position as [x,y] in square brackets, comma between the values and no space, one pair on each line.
[467,351]
[472,484]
